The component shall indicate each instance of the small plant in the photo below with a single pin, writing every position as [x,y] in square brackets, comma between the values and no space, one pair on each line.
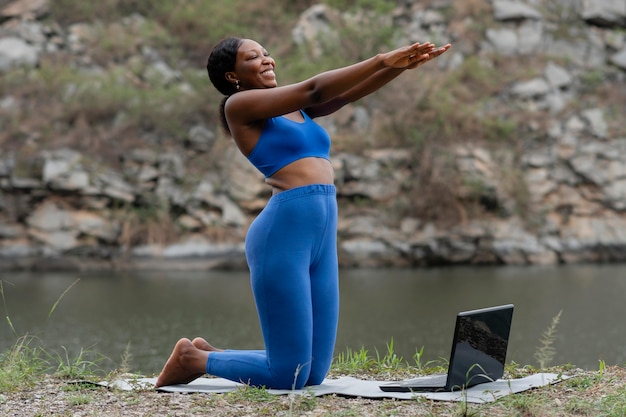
[250,393]
[126,360]
[432,366]
[352,361]
[305,401]
[391,361]
[80,399]
[56,303]
[601,368]
[26,360]
[545,352]
[20,365]
[78,367]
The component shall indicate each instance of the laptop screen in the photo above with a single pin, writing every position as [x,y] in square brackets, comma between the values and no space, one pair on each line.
[479,347]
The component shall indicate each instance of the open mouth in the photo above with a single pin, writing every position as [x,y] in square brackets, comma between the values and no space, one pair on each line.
[269,72]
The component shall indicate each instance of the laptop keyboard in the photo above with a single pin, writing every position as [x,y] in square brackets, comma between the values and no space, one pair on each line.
[428,380]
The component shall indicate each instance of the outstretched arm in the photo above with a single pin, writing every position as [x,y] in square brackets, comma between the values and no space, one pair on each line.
[373,83]
[250,106]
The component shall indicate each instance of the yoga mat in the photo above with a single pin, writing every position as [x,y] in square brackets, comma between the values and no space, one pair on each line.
[354,387]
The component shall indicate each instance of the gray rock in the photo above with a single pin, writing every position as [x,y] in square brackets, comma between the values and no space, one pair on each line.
[201,138]
[315,27]
[557,76]
[619,59]
[532,89]
[172,165]
[504,41]
[530,37]
[595,120]
[604,12]
[57,241]
[514,10]
[16,52]
[93,224]
[49,217]
[7,162]
[112,185]
[26,9]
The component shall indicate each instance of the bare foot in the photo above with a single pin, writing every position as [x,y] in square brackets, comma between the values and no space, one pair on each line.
[185,364]
[202,344]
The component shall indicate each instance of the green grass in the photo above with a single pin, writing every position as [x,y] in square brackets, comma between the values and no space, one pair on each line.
[27,360]
[22,364]
[600,393]
[546,351]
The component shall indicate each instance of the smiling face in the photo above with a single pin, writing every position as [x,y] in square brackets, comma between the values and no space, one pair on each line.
[254,67]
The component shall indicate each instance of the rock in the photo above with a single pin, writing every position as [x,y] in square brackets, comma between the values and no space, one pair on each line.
[557,76]
[18,249]
[26,9]
[49,217]
[62,170]
[112,185]
[9,231]
[504,41]
[58,241]
[595,120]
[92,224]
[200,138]
[530,37]
[564,170]
[22,183]
[16,52]
[171,165]
[514,10]
[170,193]
[532,89]
[365,252]
[243,182]
[316,26]
[7,162]
[619,59]
[195,245]
[604,12]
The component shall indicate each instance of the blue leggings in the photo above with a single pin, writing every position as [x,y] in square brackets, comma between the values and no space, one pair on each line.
[291,249]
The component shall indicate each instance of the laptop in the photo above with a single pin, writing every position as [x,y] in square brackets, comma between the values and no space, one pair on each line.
[478,354]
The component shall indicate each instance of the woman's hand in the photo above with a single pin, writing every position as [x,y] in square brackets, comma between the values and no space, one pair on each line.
[407,55]
[434,53]
[412,56]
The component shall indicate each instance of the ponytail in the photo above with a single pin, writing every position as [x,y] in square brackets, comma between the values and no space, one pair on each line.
[223,116]
[222,60]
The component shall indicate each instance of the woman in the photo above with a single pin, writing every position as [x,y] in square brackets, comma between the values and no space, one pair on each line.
[291,246]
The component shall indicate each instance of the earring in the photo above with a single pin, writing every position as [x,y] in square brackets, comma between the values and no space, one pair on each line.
[237,85]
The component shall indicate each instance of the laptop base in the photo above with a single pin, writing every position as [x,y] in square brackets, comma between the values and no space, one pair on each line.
[429,383]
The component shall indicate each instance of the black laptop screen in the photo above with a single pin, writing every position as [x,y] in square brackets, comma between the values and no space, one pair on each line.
[479,353]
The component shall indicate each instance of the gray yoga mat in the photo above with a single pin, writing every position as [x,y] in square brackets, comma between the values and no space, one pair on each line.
[354,387]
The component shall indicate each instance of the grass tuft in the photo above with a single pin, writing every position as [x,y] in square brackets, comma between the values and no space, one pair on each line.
[84,365]
[546,351]
[22,365]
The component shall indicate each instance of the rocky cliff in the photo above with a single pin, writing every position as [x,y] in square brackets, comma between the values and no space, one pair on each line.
[554,193]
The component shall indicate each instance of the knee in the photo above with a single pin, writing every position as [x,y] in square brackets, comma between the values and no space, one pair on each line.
[292,376]
[317,375]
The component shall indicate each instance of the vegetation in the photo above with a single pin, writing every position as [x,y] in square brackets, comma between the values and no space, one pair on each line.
[35,382]
[545,352]
[110,90]
[129,101]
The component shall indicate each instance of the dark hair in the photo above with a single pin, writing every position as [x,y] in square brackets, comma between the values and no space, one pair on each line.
[222,60]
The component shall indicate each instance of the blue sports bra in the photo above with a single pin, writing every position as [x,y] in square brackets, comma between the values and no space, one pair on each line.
[284,141]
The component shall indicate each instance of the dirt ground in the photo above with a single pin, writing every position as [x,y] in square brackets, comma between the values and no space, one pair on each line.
[601,393]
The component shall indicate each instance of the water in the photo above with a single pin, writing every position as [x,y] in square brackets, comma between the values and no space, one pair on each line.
[145,313]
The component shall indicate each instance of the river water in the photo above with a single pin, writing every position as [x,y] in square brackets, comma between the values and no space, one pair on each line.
[144,313]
